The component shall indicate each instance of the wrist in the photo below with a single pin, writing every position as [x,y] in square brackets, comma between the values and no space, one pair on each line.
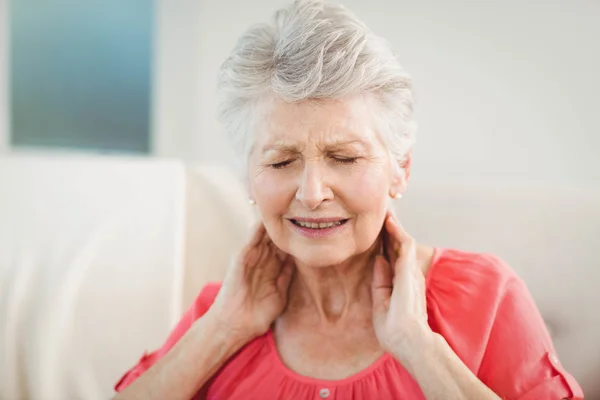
[414,346]
[224,330]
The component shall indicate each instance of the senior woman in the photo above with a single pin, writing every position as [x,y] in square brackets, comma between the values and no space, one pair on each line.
[331,298]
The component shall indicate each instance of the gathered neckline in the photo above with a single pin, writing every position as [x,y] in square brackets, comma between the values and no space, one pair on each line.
[270,337]
[316,381]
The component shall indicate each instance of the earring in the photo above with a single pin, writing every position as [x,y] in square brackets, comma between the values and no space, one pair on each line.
[251,202]
[397,196]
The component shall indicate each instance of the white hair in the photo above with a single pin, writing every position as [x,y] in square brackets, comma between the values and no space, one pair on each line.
[314,50]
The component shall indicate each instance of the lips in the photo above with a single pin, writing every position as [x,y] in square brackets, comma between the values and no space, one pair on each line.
[319,223]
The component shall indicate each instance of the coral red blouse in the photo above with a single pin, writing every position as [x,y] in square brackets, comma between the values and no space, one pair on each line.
[475,301]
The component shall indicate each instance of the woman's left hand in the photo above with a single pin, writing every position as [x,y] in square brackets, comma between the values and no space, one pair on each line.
[399,304]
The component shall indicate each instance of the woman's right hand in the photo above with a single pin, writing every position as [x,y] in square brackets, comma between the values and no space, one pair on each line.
[254,291]
[253,294]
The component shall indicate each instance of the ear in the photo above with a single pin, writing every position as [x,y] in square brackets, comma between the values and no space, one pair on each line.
[406,166]
[401,175]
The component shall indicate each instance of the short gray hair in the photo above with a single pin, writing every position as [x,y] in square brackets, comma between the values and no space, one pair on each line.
[314,50]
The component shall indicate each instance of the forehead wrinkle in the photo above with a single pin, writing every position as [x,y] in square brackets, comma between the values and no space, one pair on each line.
[323,135]
[338,140]
[327,145]
[344,132]
[339,144]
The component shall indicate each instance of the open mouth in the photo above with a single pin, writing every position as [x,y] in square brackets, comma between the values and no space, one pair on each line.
[318,225]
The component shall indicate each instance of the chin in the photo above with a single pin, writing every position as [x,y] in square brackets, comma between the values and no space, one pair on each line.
[322,258]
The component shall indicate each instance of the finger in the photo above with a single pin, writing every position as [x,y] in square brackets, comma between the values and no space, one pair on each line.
[280,254]
[382,284]
[263,247]
[384,240]
[266,239]
[397,230]
[267,255]
[255,251]
[391,245]
[285,277]
[250,254]
[273,264]
[407,251]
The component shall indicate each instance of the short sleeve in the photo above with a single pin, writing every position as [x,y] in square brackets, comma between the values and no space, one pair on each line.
[201,304]
[520,362]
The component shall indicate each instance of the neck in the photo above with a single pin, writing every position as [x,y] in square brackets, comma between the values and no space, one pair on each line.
[331,293]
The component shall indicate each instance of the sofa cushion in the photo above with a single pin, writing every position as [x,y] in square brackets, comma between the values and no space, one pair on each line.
[90,250]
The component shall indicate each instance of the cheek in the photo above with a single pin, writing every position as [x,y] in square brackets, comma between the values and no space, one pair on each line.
[368,191]
[272,195]
[368,197]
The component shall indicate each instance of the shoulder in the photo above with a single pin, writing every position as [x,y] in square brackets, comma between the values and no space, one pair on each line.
[486,314]
[463,273]
[464,293]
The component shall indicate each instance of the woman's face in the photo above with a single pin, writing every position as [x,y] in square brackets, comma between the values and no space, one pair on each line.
[321,178]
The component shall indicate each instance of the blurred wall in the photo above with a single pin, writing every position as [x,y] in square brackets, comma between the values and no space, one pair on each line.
[507,90]
[3,76]
[177,69]
[80,74]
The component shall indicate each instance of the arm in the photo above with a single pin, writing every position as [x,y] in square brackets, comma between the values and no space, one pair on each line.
[400,321]
[439,372]
[517,360]
[192,361]
[253,294]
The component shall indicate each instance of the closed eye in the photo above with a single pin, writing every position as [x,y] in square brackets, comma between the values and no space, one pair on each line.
[345,160]
[281,164]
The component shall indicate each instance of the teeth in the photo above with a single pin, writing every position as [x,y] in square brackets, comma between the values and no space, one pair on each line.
[321,225]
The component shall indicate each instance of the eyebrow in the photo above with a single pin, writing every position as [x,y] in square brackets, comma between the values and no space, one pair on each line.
[339,144]
[281,147]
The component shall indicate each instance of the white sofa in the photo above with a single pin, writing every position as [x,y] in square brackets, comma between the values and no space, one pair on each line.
[100,256]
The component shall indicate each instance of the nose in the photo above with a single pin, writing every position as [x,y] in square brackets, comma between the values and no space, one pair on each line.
[312,188]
